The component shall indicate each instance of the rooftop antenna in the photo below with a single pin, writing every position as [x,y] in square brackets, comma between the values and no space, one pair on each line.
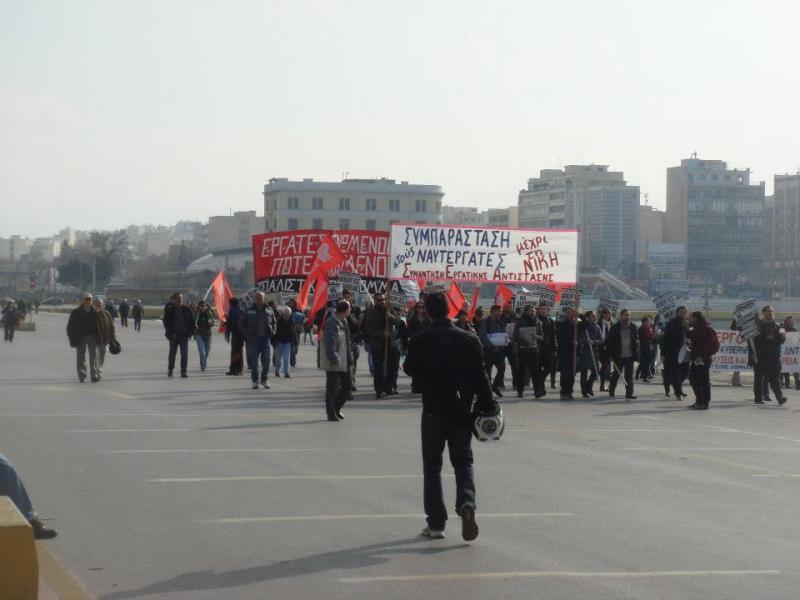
[345,175]
[646,199]
[694,154]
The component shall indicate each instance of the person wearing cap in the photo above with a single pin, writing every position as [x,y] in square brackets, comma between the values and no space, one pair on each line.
[83,328]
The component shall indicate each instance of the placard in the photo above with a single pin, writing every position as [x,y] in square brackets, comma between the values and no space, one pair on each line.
[286,296]
[666,304]
[397,299]
[436,287]
[545,294]
[746,315]
[790,353]
[732,354]
[334,292]
[611,305]
[350,281]
[484,254]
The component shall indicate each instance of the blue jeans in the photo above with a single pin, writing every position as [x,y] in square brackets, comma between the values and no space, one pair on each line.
[283,352]
[183,344]
[11,486]
[436,431]
[203,349]
[258,351]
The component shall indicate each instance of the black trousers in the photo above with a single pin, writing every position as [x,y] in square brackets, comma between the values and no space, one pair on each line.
[566,370]
[381,382]
[513,363]
[496,359]
[528,369]
[337,390]
[701,383]
[237,359]
[436,431]
[643,370]
[786,382]
[674,374]
[547,366]
[625,365]
[768,372]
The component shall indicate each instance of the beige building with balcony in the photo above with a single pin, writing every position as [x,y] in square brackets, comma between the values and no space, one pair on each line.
[371,204]
[233,231]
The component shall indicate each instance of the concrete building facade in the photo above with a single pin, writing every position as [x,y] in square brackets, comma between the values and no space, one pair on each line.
[598,203]
[372,204]
[233,231]
[463,215]
[782,239]
[651,231]
[719,215]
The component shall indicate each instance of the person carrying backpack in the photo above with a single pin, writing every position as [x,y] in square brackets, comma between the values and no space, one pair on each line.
[703,344]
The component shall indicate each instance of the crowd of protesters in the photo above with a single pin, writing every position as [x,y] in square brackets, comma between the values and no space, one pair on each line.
[576,349]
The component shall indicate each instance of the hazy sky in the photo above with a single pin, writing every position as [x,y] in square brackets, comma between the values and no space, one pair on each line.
[113,112]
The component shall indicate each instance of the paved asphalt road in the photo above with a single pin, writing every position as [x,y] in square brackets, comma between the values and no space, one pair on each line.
[205,489]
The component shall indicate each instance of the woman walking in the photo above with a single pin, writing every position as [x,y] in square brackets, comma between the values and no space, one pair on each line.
[703,344]
[284,336]
[204,323]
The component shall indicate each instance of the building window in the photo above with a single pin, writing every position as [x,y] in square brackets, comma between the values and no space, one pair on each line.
[344,223]
[316,223]
[344,203]
[293,203]
[422,206]
[316,203]
[394,205]
[370,224]
[292,224]
[372,204]
[438,207]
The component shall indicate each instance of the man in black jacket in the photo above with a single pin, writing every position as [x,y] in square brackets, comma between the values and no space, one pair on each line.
[567,340]
[768,342]
[446,363]
[83,328]
[548,350]
[671,344]
[379,326]
[623,347]
[178,328]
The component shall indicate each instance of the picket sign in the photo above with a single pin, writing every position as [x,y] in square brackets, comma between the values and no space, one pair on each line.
[350,281]
[611,305]
[666,305]
[335,292]
[746,315]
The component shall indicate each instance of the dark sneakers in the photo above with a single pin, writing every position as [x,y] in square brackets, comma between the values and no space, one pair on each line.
[698,406]
[782,400]
[469,528]
[42,532]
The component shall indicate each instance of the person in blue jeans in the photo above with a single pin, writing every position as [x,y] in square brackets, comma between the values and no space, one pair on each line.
[284,341]
[257,325]
[204,322]
[11,486]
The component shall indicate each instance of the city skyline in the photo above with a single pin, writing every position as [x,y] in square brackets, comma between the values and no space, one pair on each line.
[151,112]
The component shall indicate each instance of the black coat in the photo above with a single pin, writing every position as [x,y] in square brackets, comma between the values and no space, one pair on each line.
[171,314]
[81,323]
[768,342]
[565,338]
[614,343]
[672,341]
[446,363]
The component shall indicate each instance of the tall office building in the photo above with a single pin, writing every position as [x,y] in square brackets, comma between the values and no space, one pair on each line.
[719,215]
[598,203]
[372,204]
[783,235]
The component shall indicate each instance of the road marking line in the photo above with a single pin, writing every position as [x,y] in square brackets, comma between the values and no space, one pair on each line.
[777,475]
[228,450]
[126,430]
[755,433]
[607,430]
[281,478]
[370,516]
[718,461]
[719,449]
[175,415]
[554,574]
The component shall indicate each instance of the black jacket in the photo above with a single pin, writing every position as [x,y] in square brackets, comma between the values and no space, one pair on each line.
[374,326]
[171,314]
[674,335]
[284,331]
[446,363]
[615,341]
[549,343]
[565,338]
[768,342]
[82,322]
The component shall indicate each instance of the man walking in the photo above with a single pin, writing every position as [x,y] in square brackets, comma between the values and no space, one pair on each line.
[379,325]
[446,363]
[82,331]
[105,333]
[237,341]
[257,325]
[336,358]
[768,342]
[493,336]
[10,319]
[527,338]
[137,312]
[671,344]
[178,328]
[204,329]
[124,310]
[567,340]
[548,350]
[623,346]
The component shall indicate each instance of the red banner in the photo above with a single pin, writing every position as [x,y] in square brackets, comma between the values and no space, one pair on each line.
[291,254]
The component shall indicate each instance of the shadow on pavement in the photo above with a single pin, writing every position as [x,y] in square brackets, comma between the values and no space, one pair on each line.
[349,558]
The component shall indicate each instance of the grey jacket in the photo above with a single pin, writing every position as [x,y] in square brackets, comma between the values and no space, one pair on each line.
[336,352]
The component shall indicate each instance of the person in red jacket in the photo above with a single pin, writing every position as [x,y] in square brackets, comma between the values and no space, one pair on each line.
[703,344]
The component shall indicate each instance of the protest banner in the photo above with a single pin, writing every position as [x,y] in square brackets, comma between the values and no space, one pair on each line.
[282,260]
[545,294]
[483,254]
[611,305]
[523,299]
[666,305]
[410,289]
[397,299]
[335,291]
[732,354]
[247,299]
[746,315]
[350,281]
[285,297]
[436,287]
[790,353]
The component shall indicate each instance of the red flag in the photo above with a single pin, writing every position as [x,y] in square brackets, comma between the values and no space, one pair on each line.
[503,295]
[320,295]
[421,283]
[456,300]
[302,295]
[473,304]
[222,296]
